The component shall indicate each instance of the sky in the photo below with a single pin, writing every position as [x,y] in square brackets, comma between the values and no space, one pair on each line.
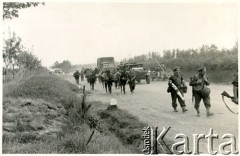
[83,32]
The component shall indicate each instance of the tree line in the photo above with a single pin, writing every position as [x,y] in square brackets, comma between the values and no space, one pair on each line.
[191,59]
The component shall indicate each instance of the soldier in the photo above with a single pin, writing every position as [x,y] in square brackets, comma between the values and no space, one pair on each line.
[123,80]
[108,81]
[131,80]
[82,74]
[117,79]
[235,89]
[201,91]
[76,76]
[178,81]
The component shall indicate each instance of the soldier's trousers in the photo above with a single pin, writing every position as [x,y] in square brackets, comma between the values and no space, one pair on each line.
[174,99]
[77,80]
[132,85]
[199,97]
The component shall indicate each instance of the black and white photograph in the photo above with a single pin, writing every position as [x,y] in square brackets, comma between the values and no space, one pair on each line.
[120,77]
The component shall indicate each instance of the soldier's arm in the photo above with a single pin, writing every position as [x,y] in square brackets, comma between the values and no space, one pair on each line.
[193,81]
[206,81]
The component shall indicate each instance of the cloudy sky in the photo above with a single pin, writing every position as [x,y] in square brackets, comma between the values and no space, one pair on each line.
[82,32]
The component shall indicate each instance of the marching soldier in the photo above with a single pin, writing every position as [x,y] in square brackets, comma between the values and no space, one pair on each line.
[123,80]
[108,81]
[201,91]
[178,81]
[131,80]
[82,74]
[76,75]
[117,79]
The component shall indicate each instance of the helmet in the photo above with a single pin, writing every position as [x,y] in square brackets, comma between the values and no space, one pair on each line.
[206,91]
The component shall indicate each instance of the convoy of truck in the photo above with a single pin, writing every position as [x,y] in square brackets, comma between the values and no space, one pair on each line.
[107,63]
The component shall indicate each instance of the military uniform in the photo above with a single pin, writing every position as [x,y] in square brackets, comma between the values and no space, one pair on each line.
[76,75]
[123,80]
[200,90]
[117,79]
[131,80]
[177,80]
[108,81]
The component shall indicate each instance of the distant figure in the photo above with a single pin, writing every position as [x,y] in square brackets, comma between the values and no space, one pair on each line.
[201,91]
[108,81]
[82,75]
[123,80]
[117,79]
[131,80]
[91,78]
[76,75]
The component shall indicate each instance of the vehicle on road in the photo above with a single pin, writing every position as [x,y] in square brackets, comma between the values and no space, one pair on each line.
[106,63]
[140,72]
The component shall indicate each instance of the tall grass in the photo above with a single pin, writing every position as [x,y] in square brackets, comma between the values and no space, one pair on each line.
[50,88]
[40,115]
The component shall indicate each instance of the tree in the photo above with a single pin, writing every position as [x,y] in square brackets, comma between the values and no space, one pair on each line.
[55,65]
[27,60]
[12,47]
[10,9]
[65,65]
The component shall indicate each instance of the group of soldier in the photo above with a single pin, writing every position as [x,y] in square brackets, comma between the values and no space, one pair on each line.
[200,90]
[120,77]
[77,75]
[176,85]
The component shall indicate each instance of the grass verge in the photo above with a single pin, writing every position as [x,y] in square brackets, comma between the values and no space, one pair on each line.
[41,115]
[126,127]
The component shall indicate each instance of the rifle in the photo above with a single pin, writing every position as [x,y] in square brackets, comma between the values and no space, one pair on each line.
[172,84]
[225,94]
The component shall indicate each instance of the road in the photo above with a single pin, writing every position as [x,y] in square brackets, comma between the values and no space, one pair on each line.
[152,104]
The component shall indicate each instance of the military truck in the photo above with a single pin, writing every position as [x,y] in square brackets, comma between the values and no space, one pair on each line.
[158,74]
[106,63]
[140,72]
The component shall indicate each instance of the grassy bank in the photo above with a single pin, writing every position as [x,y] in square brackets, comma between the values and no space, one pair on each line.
[125,126]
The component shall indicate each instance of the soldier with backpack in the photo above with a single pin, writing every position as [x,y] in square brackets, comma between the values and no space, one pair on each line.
[131,80]
[201,91]
[76,75]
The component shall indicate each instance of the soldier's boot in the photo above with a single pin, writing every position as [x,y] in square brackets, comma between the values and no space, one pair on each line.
[208,112]
[175,110]
[184,109]
[198,112]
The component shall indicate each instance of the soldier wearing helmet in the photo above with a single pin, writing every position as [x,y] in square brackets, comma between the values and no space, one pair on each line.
[201,91]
